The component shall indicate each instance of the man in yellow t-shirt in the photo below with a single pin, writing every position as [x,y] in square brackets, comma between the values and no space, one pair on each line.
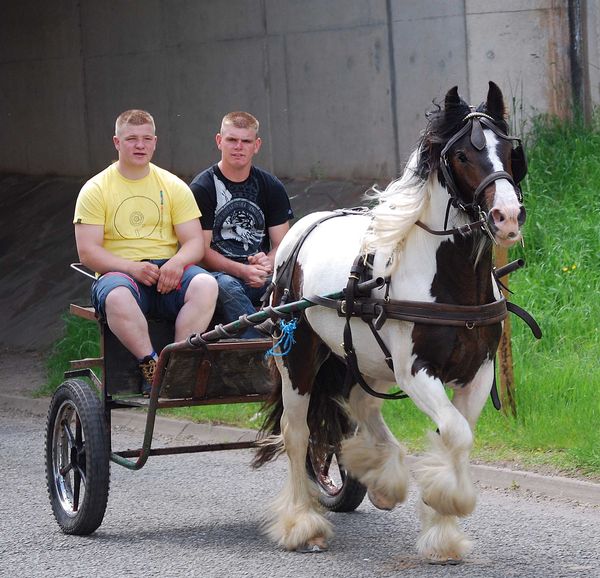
[137,226]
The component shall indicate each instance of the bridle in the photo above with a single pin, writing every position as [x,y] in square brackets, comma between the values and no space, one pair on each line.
[473,125]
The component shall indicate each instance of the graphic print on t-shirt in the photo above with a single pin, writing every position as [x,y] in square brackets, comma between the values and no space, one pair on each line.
[136,218]
[239,223]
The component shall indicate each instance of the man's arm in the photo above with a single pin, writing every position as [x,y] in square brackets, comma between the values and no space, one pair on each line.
[90,247]
[191,250]
[276,235]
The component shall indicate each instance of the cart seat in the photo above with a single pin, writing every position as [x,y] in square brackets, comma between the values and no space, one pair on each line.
[227,369]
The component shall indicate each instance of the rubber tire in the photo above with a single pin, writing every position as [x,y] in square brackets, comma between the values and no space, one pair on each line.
[343,498]
[75,399]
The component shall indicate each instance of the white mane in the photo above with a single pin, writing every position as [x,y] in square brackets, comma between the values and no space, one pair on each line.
[399,206]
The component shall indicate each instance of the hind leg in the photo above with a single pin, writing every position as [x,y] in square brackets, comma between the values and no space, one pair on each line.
[373,455]
[443,473]
[296,522]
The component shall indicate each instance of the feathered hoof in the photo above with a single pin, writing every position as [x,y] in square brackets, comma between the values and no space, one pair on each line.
[314,546]
[381,501]
[442,561]
[441,541]
[300,529]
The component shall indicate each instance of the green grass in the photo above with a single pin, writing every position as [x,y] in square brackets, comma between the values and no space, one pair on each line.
[81,339]
[558,378]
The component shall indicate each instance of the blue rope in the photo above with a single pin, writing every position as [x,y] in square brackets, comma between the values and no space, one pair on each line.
[285,341]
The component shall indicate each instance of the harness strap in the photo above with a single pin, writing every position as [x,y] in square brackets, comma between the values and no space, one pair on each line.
[494,391]
[351,292]
[369,309]
[528,318]
[285,270]
[489,180]
[427,313]
[354,371]
[462,230]
[358,272]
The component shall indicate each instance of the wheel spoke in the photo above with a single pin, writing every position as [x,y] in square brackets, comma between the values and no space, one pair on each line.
[327,464]
[69,433]
[78,436]
[76,487]
[79,471]
[65,469]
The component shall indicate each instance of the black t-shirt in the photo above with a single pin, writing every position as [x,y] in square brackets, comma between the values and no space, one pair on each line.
[239,214]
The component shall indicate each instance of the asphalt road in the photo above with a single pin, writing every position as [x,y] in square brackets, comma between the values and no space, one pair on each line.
[198,515]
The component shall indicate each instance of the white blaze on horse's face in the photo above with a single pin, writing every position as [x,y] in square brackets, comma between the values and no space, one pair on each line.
[506,213]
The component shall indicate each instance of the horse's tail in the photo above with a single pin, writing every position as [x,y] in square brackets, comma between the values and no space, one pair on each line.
[327,421]
[270,443]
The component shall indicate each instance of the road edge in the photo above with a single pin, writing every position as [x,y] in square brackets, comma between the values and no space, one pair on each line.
[187,432]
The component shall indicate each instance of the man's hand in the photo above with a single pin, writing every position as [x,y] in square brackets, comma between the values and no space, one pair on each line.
[255,275]
[262,260]
[169,276]
[144,272]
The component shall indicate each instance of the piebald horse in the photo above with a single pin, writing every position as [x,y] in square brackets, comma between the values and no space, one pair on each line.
[430,236]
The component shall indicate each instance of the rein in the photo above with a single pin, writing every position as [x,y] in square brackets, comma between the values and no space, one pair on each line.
[462,230]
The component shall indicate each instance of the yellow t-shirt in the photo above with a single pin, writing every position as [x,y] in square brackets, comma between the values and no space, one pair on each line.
[138,215]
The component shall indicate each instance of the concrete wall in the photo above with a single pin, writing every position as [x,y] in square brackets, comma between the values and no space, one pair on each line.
[340,87]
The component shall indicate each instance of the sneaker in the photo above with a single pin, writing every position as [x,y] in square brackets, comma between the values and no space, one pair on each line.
[147,368]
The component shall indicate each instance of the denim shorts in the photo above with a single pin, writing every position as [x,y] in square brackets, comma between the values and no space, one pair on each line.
[151,302]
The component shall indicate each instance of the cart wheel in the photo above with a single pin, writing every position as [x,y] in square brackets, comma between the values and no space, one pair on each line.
[77,458]
[338,491]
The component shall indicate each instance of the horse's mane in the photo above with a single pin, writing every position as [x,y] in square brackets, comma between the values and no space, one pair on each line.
[403,201]
[398,208]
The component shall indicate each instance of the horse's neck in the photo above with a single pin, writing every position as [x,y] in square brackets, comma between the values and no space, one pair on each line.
[456,269]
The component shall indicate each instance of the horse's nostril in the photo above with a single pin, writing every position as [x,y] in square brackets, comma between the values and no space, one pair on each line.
[522,216]
[497,216]
[512,235]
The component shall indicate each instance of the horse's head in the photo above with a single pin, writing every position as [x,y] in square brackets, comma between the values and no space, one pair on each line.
[479,163]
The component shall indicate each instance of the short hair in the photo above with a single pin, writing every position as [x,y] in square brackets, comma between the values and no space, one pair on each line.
[240,119]
[135,117]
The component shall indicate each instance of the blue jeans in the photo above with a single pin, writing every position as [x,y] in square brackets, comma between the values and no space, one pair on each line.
[235,299]
[150,301]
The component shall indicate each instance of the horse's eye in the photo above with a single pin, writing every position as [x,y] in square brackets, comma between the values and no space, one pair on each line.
[461,156]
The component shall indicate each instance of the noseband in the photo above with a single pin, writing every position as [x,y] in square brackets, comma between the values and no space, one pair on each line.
[474,121]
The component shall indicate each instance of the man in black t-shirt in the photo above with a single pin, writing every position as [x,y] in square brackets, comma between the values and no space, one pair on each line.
[245,214]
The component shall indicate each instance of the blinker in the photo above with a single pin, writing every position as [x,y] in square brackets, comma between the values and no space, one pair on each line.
[477,136]
[518,162]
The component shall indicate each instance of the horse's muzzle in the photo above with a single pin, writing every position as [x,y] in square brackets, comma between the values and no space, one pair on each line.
[505,223]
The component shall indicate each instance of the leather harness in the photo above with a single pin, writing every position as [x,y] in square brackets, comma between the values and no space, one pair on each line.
[356,301]
[374,312]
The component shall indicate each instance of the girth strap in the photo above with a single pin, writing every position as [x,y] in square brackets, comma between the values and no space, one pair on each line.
[352,292]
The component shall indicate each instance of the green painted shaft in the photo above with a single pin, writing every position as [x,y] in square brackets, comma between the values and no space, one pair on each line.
[263,315]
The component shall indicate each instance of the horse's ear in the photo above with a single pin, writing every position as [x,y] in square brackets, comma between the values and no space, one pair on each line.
[495,102]
[452,99]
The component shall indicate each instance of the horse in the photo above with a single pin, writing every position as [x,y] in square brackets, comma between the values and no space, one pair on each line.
[429,238]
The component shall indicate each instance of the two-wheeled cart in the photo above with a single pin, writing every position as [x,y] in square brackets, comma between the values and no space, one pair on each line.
[79,447]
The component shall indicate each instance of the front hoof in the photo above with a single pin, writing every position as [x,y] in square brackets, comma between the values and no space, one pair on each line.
[313,546]
[442,561]
[381,501]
